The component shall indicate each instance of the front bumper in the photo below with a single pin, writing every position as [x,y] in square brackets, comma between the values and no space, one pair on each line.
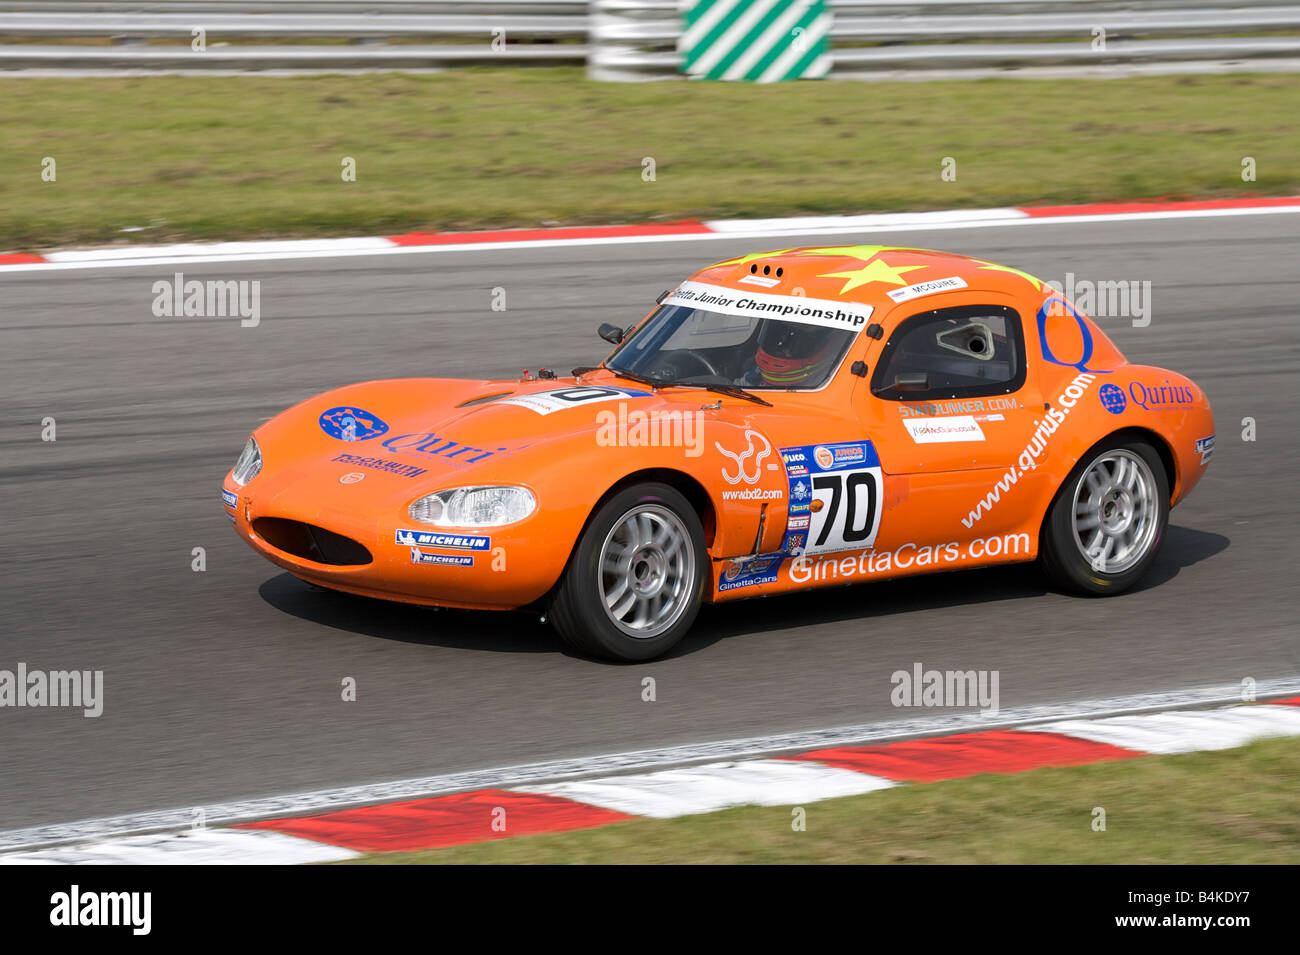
[487,569]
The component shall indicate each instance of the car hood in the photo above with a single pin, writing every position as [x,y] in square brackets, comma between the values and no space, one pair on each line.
[446,431]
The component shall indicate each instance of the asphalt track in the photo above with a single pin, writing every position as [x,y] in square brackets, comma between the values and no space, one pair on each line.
[226,684]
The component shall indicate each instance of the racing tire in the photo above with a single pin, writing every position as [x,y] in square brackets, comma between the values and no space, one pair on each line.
[636,579]
[1107,522]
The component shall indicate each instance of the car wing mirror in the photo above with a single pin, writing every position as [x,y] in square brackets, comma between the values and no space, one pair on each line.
[611,333]
[912,381]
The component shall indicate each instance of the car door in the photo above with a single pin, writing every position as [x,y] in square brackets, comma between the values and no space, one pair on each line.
[950,404]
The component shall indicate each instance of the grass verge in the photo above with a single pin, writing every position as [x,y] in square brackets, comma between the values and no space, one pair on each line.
[247,157]
[1239,806]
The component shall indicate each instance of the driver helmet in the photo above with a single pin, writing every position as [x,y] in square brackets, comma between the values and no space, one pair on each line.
[791,353]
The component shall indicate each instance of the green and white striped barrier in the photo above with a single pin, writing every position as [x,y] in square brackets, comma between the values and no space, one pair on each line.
[763,41]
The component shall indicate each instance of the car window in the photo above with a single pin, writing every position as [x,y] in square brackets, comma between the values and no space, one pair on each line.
[689,345]
[952,353]
[710,330]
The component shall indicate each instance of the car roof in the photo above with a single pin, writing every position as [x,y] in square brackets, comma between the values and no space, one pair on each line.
[861,273]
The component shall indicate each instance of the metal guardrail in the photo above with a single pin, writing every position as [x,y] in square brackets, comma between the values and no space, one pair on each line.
[636,39]
[248,35]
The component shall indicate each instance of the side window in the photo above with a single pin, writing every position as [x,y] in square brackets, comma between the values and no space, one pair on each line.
[962,352]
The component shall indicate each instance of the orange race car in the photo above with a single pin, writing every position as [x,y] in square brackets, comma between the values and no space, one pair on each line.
[780,421]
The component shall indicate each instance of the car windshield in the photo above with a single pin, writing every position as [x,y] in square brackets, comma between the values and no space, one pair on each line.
[697,346]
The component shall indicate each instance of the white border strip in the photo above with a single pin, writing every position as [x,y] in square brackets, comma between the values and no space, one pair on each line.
[305,803]
[739,229]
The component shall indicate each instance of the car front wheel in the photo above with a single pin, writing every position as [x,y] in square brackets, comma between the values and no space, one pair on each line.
[636,579]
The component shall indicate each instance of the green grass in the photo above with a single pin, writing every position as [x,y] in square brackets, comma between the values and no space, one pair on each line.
[245,157]
[1238,806]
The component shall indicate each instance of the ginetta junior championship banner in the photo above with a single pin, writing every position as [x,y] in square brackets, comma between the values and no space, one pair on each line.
[787,308]
[762,41]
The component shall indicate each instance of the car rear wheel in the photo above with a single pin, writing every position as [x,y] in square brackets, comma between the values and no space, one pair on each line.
[1108,520]
[636,579]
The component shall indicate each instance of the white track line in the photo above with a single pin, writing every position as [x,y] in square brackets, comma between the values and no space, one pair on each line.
[737,230]
[637,761]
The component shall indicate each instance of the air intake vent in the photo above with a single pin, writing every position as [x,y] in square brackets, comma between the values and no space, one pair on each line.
[311,542]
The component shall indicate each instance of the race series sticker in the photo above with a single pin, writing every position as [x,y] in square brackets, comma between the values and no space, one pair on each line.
[785,308]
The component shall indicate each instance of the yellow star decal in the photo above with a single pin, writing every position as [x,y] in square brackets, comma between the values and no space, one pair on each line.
[863,252]
[874,271]
[990,267]
[741,260]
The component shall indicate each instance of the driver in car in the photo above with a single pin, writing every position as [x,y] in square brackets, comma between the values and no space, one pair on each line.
[790,354]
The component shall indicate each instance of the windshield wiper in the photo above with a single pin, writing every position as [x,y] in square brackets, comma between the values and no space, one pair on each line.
[633,376]
[733,391]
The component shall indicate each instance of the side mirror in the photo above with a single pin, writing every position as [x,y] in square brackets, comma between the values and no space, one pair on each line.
[611,333]
[912,381]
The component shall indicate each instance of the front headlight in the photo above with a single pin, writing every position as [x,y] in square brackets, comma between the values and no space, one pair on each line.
[474,506]
[248,465]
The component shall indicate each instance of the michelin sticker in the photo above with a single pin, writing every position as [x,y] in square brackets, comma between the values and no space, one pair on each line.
[926,288]
[944,430]
[445,541]
[549,402]
[835,497]
[785,308]
[442,560]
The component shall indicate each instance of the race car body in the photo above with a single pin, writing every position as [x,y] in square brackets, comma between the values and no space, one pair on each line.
[779,421]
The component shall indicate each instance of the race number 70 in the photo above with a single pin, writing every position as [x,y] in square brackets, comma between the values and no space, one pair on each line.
[849,515]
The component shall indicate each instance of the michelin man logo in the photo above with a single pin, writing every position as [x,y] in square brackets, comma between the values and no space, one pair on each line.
[740,459]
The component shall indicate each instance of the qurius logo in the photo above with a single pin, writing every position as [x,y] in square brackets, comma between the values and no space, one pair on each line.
[352,424]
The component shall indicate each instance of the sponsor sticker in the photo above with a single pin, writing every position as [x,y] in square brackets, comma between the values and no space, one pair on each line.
[445,541]
[381,464]
[760,570]
[975,406]
[1205,448]
[561,399]
[834,501]
[786,308]
[757,450]
[1112,398]
[349,423]
[1156,397]
[229,498]
[439,446]
[352,477]
[944,430]
[910,292]
[441,560]
[764,280]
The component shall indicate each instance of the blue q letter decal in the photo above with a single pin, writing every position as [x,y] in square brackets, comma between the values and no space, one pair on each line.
[1082,363]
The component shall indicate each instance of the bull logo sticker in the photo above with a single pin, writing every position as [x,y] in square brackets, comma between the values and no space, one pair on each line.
[742,474]
[348,423]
